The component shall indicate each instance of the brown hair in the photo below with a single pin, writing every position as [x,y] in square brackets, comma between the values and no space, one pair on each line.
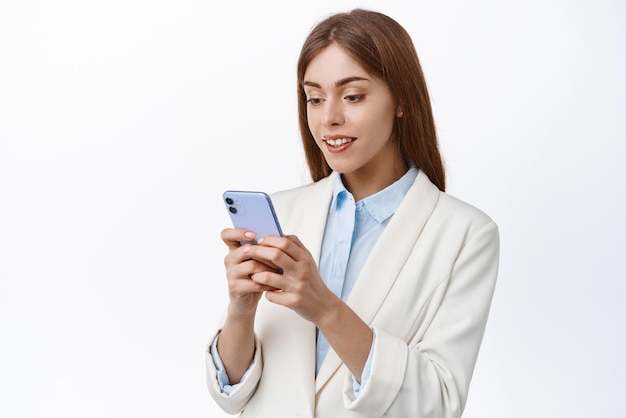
[384,48]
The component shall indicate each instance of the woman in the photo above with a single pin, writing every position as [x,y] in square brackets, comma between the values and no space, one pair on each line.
[391,322]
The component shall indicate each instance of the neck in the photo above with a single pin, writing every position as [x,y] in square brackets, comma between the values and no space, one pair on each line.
[366,183]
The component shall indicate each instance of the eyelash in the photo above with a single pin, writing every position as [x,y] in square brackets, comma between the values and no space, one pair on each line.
[352,98]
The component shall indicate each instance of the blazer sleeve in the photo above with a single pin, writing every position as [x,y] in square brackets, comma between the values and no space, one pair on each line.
[239,397]
[429,376]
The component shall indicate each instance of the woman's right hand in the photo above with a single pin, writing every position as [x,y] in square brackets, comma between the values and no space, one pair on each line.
[236,342]
[243,292]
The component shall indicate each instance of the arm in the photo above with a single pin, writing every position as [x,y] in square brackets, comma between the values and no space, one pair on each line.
[428,374]
[237,346]
[348,335]
[236,342]
[232,398]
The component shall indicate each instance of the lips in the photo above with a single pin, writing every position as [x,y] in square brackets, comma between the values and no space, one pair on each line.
[337,142]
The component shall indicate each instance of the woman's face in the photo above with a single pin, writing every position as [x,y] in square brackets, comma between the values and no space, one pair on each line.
[350,114]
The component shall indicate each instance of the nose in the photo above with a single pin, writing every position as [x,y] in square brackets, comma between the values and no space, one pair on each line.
[333,113]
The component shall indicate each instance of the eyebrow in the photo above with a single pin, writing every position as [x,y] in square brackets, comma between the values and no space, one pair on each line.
[338,83]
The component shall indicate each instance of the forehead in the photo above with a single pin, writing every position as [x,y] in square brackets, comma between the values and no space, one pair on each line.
[331,64]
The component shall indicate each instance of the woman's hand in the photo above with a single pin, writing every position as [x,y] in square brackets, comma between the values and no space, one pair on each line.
[244,293]
[236,341]
[301,288]
[298,286]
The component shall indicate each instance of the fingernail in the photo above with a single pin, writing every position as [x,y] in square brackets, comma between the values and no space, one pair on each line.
[260,241]
[249,234]
[246,248]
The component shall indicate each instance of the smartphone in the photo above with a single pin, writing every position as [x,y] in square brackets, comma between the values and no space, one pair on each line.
[253,211]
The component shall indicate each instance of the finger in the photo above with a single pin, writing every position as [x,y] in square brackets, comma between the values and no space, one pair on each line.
[233,237]
[296,241]
[238,267]
[290,246]
[270,279]
[278,297]
[285,244]
[246,286]
[236,256]
[271,256]
[239,277]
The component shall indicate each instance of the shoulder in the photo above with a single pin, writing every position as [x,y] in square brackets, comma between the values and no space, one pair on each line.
[458,223]
[445,211]
[444,205]
[449,205]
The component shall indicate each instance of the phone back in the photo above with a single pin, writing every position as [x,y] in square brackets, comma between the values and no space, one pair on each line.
[252,211]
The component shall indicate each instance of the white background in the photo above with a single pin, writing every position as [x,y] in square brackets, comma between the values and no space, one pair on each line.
[121,122]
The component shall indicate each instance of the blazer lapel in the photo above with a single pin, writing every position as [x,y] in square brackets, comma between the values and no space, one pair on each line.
[386,260]
[305,216]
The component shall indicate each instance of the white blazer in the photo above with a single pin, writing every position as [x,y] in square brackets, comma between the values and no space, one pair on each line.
[425,289]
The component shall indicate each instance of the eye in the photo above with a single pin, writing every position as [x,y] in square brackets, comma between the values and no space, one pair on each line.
[314,101]
[354,98]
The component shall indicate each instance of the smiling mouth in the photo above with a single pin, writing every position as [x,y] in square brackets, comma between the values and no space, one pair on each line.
[339,141]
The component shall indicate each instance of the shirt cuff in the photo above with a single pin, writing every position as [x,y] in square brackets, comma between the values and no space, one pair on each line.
[356,386]
[222,377]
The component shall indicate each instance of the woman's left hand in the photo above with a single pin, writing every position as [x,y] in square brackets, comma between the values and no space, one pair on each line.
[302,289]
[300,285]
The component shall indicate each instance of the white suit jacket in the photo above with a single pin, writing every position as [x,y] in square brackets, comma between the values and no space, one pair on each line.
[425,289]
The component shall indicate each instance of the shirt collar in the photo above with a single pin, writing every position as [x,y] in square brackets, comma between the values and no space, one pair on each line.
[383,204]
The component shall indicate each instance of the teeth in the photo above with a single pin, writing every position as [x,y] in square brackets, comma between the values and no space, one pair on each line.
[339,141]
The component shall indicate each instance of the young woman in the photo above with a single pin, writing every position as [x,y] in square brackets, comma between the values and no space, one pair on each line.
[386,280]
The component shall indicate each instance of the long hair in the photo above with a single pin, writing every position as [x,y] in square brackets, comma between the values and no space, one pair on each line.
[385,50]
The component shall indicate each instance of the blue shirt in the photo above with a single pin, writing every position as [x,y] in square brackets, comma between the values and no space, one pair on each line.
[352,229]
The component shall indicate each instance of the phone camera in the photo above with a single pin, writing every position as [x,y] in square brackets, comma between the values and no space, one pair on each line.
[229,200]
[232,209]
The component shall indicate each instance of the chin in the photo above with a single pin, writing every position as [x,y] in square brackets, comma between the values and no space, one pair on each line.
[342,168]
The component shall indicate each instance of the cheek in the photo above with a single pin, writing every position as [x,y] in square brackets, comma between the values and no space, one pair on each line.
[311,126]
[312,123]
[385,121]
